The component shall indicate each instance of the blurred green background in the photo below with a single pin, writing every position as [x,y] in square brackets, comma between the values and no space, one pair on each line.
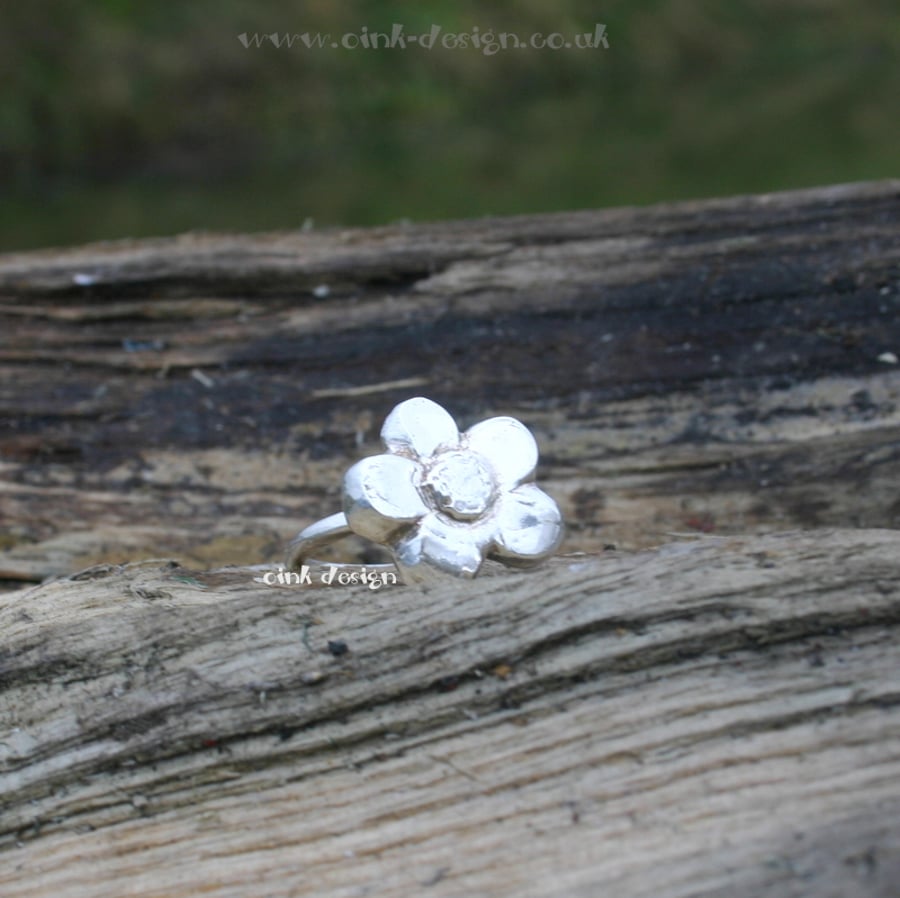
[126,118]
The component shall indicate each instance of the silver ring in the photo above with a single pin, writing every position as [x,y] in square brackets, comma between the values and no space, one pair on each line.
[442,501]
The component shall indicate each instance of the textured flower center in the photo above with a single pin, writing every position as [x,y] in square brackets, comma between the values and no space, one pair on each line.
[460,484]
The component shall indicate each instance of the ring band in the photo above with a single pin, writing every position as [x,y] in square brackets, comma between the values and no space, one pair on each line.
[309,540]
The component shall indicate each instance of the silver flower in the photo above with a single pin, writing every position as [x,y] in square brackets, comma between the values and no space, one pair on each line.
[443,499]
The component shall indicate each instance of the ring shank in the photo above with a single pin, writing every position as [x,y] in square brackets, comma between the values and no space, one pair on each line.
[319,535]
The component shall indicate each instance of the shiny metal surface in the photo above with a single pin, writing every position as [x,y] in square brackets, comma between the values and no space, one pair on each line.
[443,501]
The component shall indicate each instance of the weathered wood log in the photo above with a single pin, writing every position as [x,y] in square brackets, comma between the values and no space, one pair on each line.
[717,717]
[702,707]
[721,366]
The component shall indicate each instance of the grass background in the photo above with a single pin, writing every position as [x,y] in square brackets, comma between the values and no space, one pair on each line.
[127,118]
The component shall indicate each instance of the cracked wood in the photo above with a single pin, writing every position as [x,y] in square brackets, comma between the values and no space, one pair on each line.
[713,716]
[716,366]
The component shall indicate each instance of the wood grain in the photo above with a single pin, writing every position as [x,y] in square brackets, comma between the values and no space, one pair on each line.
[715,366]
[716,716]
[698,697]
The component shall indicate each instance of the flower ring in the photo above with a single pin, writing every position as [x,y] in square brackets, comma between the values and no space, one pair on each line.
[443,500]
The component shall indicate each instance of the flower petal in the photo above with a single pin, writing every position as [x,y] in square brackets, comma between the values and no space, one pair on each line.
[436,542]
[419,426]
[509,447]
[380,495]
[529,524]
